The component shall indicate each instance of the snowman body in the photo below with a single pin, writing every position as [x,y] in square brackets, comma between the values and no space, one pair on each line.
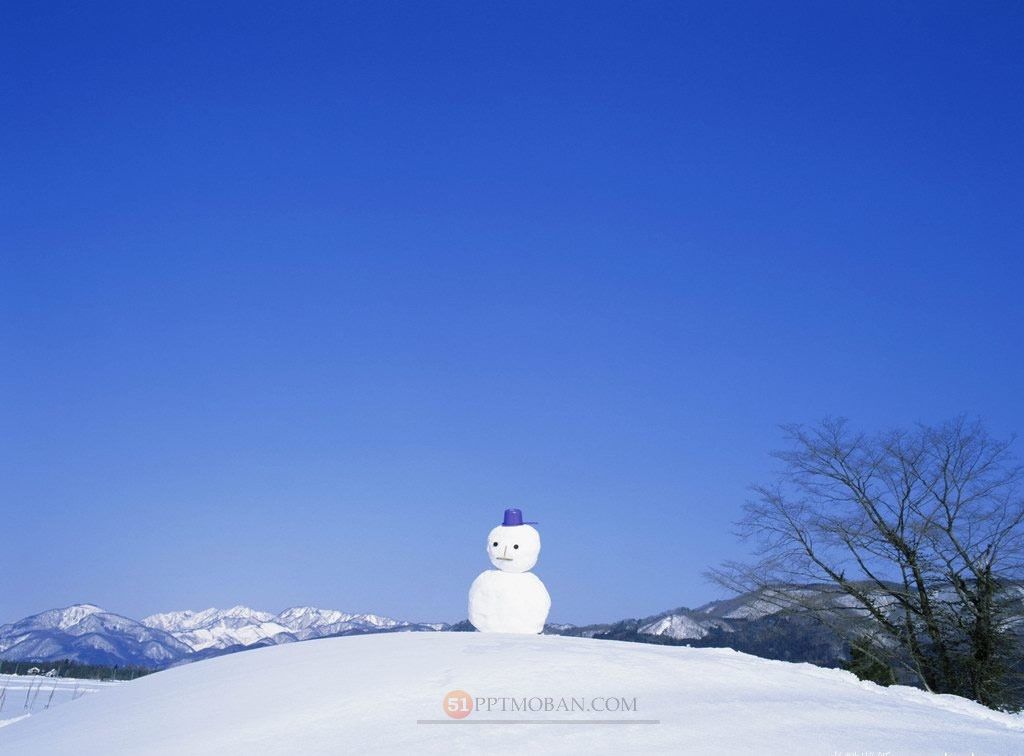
[508,602]
[510,599]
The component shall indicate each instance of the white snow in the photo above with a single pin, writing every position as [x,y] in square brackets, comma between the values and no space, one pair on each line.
[24,695]
[240,625]
[365,694]
[677,626]
[73,615]
[54,619]
[219,628]
[311,622]
[76,631]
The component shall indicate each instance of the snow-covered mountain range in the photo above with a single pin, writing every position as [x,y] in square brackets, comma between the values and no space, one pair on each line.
[88,634]
[242,626]
[754,622]
[683,624]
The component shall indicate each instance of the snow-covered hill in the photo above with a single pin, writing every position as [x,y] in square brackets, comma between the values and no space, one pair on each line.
[367,694]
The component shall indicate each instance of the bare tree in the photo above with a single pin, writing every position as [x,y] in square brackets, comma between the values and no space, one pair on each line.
[910,544]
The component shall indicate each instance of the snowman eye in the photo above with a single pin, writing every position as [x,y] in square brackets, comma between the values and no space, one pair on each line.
[495,544]
[516,546]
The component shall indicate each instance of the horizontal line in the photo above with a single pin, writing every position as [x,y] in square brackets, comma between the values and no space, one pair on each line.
[538,721]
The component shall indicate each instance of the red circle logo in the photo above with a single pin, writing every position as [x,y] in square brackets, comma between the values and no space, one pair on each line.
[458,704]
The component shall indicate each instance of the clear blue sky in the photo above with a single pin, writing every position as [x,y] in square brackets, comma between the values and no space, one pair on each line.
[296,298]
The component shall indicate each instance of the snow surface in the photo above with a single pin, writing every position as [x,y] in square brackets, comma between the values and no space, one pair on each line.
[365,694]
[24,695]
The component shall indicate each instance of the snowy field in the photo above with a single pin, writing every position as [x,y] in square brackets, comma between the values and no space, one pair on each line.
[386,694]
[23,695]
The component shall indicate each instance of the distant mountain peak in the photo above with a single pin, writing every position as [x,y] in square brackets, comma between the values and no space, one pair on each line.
[218,629]
[62,619]
[240,610]
[87,633]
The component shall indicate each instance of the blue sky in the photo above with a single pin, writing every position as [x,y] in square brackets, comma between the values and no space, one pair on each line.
[295,299]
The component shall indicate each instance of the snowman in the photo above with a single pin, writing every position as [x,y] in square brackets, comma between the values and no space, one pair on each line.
[510,599]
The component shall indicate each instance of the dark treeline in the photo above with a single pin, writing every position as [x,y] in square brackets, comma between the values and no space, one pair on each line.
[69,668]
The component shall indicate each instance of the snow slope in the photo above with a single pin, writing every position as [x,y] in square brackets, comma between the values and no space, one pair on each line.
[24,695]
[364,694]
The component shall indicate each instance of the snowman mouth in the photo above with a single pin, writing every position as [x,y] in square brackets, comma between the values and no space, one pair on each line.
[505,559]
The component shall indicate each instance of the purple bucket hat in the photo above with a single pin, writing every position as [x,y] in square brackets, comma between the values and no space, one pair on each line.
[514,517]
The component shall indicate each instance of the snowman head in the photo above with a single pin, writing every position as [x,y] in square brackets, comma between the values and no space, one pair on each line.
[513,549]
